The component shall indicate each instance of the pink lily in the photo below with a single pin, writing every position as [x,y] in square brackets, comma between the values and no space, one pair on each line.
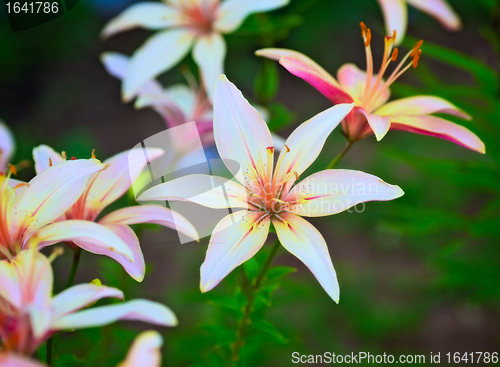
[26,214]
[197,24]
[30,315]
[177,105]
[268,195]
[103,189]
[144,352]
[396,15]
[370,93]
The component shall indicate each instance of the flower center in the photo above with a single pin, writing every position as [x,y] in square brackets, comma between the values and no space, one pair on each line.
[199,15]
[375,88]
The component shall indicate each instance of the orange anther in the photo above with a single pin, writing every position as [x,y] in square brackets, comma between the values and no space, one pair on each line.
[394,54]
[93,153]
[416,48]
[368,37]
[50,162]
[363,29]
[415,59]
[287,149]
[13,169]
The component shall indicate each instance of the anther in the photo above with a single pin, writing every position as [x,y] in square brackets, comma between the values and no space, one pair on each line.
[13,169]
[368,37]
[93,153]
[50,162]
[73,158]
[363,29]
[287,148]
[394,54]
[415,59]
[415,48]
[58,251]
[63,154]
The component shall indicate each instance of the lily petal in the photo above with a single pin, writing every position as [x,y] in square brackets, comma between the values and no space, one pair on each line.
[335,190]
[235,239]
[307,141]
[116,64]
[134,267]
[81,231]
[305,242]
[50,194]
[14,360]
[210,191]
[147,14]
[135,310]
[158,54]
[44,157]
[240,133]
[441,11]
[379,124]
[232,13]
[395,17]
[7,145]
[145,351]
[116,179]
[318,78]
[209,53]
[441,128]
[80,296]
[155,214]
[421,105]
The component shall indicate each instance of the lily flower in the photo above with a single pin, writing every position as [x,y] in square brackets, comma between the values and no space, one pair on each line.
[26,215]
[30,314]
[185,24]
[396,15]
[372,113]
[104,188]
[265,195]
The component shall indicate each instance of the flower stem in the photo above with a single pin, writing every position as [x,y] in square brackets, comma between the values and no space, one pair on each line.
[49,346]
[254,289]
[339,156]
[74,267]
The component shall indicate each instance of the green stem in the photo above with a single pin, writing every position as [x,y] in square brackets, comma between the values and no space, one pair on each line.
[339,156]
[254,289]
[74,267]
[49,346]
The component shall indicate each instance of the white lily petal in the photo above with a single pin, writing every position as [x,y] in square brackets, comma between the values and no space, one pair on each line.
[145,351]
[335,190]
[395,17]
[232,13]
[44,157]
[440,10]
[305,242]
[235,239]
[209,53]
[135,310]
[158,54]
[147,14]
[7,145]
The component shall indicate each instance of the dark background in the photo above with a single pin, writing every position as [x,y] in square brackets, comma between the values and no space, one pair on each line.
[418,275]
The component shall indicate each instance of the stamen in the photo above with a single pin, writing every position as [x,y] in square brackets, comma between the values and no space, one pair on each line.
[270,157]
[415,48]
[13,169]
[363,29]
[368,37]
[415,59]
[394,54]
[58,251]
[93,153]
[63,154]
[50,162]
[73,158]
[287,148]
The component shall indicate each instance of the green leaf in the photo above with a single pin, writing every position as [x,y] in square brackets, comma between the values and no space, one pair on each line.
[221,334]
[251,268]
[260,323]
[267,81]
[232,303]
[281,117]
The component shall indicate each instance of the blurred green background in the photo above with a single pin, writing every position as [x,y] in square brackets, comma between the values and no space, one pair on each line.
[417,275]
